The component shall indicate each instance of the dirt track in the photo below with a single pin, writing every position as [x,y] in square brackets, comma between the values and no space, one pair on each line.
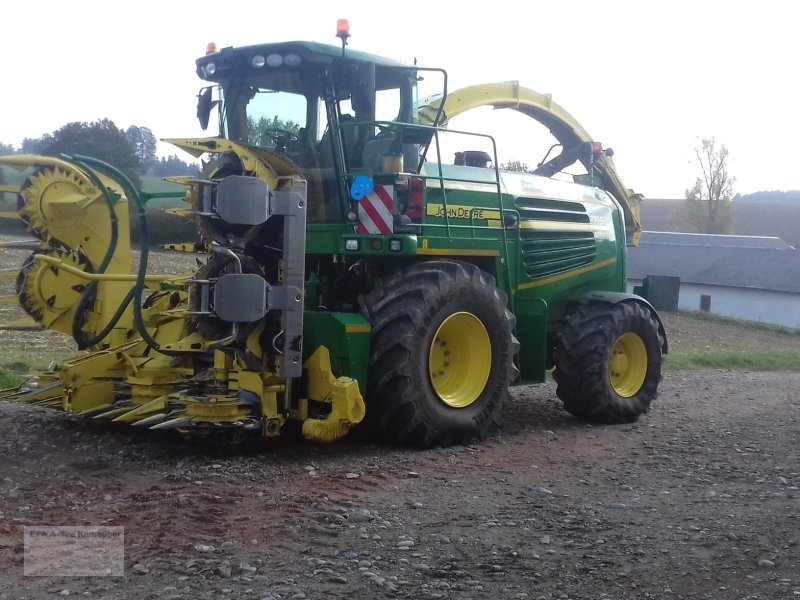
[697,500]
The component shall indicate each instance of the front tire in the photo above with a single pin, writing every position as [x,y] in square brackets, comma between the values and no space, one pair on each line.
[441,355]
[608,362]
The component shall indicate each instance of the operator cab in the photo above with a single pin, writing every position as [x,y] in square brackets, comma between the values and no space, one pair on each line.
[316,106]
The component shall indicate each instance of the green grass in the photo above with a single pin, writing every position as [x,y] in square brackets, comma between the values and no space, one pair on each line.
[775,360]
[153,185]
[11,373]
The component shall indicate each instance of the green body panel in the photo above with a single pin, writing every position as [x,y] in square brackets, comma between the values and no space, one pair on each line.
[532,328]
[346,335]
[560,241]
[325,238]
[547,242]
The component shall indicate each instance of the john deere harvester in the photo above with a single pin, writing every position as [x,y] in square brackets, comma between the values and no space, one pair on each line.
[353,267]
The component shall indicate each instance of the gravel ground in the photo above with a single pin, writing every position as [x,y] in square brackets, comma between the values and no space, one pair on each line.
[697,500]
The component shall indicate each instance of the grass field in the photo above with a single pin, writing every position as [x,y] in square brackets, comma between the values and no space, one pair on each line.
[759,354]
[152,185]
[771,360]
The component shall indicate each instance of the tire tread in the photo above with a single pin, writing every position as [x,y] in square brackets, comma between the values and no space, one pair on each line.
[581,371]
[395,306]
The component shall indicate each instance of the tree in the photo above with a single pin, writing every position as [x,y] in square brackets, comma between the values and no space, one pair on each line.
[769,197]
[262,132]
[172,166]
[99,139]
[515,165]
[35,145]
[144,143]
[5,150]
[707,208]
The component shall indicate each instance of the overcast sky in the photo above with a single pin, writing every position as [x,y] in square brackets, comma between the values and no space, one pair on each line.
[646,78]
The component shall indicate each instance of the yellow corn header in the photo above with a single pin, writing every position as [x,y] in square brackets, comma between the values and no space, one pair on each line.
[169,361]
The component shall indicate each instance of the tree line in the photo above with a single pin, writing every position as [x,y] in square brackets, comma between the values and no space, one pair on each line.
[769,197]
[132,150]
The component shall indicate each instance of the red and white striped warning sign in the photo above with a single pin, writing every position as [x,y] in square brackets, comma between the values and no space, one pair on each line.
[375,211]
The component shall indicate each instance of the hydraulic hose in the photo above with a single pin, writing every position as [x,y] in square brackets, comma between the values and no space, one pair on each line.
[90,293]
[144,240]
[96,339]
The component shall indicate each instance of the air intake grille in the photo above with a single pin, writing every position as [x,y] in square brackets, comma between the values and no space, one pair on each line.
[546,252]
[542,209]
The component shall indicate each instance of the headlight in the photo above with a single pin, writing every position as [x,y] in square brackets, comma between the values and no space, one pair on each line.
[292,60]
[258,61]
[211,68]
[274,60]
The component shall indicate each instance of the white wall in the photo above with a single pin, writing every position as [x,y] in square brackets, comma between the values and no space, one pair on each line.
[778,308]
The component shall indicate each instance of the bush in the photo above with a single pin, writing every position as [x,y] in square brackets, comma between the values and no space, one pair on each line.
[11,373]
[164,228]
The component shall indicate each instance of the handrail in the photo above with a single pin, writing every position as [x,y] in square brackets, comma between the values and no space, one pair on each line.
[399,129]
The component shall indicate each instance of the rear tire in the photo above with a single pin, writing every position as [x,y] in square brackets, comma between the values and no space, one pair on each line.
[608,362]
[441,355]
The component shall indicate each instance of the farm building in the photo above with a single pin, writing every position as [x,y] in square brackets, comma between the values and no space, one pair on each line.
[753,278]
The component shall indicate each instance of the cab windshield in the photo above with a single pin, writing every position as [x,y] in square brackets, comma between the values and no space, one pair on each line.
[323,121]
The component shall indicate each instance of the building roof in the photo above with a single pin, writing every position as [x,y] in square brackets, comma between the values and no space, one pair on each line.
[709,239]
[731,266]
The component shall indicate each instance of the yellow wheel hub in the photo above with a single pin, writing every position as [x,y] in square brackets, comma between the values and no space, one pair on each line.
[460,360]
[627,368]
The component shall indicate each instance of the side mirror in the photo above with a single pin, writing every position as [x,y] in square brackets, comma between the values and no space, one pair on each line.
[204,106]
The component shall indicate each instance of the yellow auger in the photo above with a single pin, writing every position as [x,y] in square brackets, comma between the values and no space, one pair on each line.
[80,220]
